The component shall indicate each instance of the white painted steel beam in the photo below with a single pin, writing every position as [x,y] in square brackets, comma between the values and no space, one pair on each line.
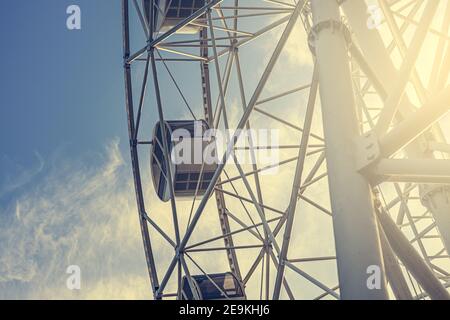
[355,227]
[413,170]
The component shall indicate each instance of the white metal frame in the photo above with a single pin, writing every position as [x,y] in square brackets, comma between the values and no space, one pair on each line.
[361,146]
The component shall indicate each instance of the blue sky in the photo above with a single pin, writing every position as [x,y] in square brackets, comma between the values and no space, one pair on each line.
[62,127]
[60,89]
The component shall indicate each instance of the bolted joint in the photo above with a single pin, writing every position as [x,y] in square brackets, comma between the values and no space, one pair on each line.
[268,245]
[149,46]
[368,151]
[377,204]
[335,26]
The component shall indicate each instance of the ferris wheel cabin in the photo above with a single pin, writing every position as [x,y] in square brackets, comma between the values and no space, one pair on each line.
[218,286]
[169,13]
[187,145]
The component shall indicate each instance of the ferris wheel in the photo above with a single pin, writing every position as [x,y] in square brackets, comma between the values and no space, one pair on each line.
[333,179]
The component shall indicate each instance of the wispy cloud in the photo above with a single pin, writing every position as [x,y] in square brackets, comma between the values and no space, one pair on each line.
[79,214]
[19,176]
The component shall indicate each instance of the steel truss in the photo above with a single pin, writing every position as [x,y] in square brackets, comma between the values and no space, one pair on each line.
[376,146]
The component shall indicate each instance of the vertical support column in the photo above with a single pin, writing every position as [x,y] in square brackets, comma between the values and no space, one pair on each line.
[355,227]
[378,58]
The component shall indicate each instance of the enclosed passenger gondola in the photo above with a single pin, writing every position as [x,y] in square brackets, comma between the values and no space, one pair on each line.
[169,13]
[218,286]
[192,159]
